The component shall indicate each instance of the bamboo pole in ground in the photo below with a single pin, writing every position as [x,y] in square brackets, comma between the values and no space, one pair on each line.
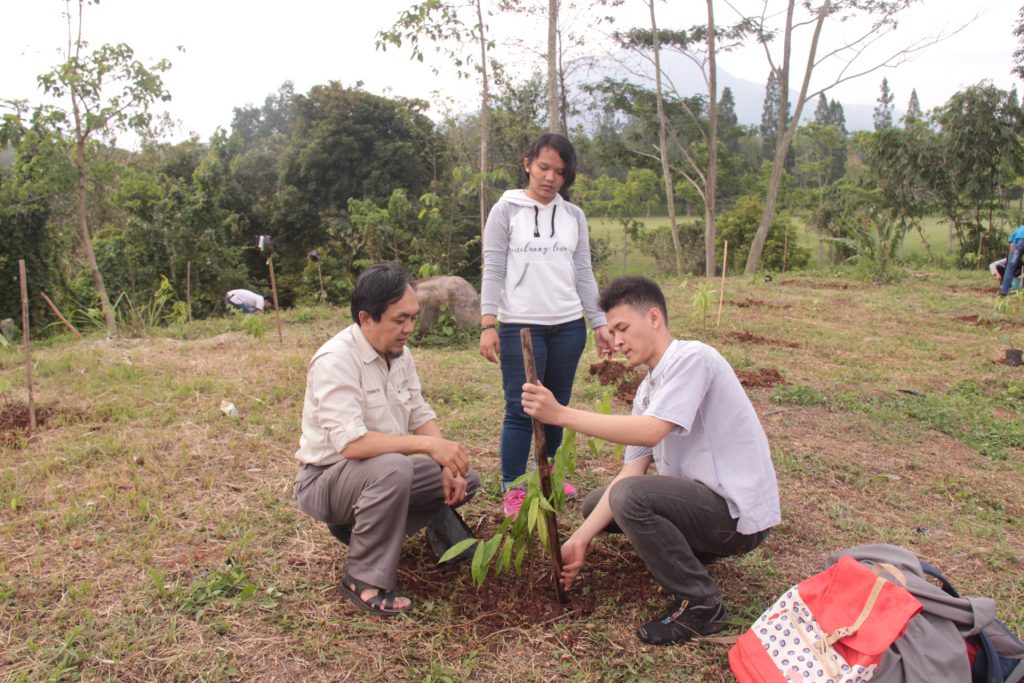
[540,448]
[273,290]
[188,288]
[721,295]
[53,307]
[27,342]
[320,276]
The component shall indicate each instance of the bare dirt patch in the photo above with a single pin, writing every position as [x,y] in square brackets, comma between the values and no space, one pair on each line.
[625,378]
[761,377]
[975,290]
[975,320]
[817,284]
[745,337]
[758,303]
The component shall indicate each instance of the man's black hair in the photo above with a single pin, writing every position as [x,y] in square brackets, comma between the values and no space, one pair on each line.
[565,150]
[633,290]
[378,287]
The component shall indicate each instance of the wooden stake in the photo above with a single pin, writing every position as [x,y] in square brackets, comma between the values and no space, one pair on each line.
[320,275]
[53,308]
[540,449]
[188,288]
[27,343]
[277,310]
[721,295]
[785,249]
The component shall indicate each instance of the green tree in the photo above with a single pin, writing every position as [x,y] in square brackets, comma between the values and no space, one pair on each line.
[458,31]
[914,113]
[770,116]
[1018,54]
[781,248]
[106,90]
[883,110]
[31,191]
[816,148]
[979,154]
[347,144]
[630,199]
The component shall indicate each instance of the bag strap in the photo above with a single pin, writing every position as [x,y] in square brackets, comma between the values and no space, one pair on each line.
[876,590]
[845,631]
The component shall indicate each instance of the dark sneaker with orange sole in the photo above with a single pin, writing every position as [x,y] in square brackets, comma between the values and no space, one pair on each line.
[683,621]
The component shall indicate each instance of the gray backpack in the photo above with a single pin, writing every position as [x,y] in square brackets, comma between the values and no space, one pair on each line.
[934,647]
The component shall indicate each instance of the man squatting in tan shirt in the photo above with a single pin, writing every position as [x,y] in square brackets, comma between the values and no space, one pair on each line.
[365,431]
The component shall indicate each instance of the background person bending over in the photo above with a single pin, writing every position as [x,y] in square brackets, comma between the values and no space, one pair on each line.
[364,426]
[247,301]
[716,493]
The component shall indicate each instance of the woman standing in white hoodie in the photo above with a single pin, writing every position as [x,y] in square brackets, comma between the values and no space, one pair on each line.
[537,274]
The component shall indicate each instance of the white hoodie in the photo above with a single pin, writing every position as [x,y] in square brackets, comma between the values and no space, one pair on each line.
[537,266]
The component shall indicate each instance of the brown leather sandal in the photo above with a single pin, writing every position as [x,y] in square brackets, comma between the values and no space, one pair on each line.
[383,603]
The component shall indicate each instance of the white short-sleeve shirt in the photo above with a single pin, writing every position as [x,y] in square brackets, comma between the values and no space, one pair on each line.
[717,440]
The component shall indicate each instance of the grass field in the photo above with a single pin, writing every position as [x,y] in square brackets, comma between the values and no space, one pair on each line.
[934,228]
[145,536]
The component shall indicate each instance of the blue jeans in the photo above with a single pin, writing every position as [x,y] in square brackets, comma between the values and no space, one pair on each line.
[1012,264]
[557,350]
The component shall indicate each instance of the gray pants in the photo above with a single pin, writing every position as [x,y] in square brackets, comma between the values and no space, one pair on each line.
[674,524]
[383,499]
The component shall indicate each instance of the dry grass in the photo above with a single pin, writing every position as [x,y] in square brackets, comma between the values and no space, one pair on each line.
[146,536]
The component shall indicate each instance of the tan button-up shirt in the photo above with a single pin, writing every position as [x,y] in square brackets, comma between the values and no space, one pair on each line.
[351,390]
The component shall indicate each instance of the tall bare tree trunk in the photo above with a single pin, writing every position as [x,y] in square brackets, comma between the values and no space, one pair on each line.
[83,224]
[663,143]
[485,120]
[554,120]
[712,178]
[789,127]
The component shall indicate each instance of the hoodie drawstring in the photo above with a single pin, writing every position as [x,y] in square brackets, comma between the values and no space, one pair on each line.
[536,223]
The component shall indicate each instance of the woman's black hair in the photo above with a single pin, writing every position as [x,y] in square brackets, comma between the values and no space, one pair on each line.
[633,290]
[378,287]
[560,144]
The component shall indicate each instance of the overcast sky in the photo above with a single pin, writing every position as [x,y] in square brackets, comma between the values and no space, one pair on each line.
[236,53]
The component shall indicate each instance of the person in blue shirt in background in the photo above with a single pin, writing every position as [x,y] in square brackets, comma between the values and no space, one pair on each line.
[1013,259]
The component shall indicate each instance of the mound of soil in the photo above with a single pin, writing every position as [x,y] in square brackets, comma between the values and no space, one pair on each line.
[14,420]
[975,290]
[817,284]
[745,337]
[757,303]
[625,378]
[509,600]
[761,377]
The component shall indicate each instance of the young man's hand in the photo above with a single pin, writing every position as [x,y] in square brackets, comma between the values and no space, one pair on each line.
[540,403]
[573,554]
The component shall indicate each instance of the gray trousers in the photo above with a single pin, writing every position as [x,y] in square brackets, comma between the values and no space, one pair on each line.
[676,525]
[383,499]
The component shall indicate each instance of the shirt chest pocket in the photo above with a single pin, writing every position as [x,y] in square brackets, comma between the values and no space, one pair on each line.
[376,407]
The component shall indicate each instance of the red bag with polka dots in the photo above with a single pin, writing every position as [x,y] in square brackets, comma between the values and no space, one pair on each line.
[832,628]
